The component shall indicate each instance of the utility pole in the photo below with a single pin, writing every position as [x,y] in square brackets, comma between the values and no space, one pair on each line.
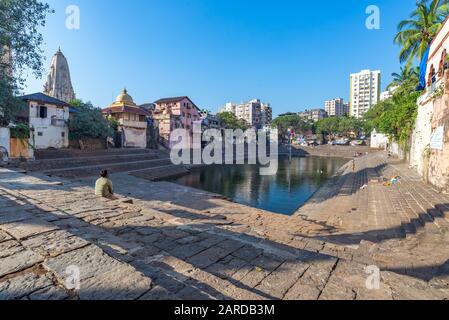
[290,144]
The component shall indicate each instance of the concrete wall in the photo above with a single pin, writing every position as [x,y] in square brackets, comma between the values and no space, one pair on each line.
[4,141]
[135,138]
[378,141]
[421,137]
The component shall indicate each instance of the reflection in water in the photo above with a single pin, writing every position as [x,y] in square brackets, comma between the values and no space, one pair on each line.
[283,193]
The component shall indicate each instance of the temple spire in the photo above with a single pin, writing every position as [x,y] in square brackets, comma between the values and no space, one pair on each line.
[59,84]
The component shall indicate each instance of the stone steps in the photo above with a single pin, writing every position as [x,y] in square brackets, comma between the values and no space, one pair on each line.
[54,164]
[87,171]
[161,173]
[74,153]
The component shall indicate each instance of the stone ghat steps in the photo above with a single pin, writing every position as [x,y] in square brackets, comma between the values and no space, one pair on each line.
[421,208]
[74,153]
[161,173]
[64,163]
[87,171]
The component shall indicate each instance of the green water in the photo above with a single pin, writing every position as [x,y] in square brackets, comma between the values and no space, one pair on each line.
[283,193]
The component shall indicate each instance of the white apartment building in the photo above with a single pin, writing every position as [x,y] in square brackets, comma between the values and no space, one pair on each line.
[388,93]
[255,113]
[364,92]
[336,107]
[229,107]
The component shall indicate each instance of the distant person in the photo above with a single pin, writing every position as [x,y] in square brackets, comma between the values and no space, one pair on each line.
[103,186]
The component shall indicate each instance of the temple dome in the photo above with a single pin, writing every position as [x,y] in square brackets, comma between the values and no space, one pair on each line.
[125,98]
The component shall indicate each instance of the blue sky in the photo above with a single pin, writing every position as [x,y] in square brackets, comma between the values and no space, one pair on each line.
[293,54]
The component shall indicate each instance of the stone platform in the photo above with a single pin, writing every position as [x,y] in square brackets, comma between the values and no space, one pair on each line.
[164,241]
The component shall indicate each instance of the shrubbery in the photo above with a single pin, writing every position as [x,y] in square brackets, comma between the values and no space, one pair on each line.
[88,122]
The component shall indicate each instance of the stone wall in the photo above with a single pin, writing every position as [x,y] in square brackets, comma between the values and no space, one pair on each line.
[438,163]
[432,163]
[88,144]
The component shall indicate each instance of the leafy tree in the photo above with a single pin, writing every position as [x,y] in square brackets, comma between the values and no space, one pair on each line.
[415,33]
[230,121]
[10,105]
[338,126]
[290,121]
[407,73]
[329,126]
[20,21]
[88,122]
[395,116]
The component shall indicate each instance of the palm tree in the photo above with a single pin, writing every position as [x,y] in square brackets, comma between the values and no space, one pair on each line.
[407,73]
[415,33]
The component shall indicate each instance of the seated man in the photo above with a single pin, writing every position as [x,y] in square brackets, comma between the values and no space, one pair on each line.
[103,186]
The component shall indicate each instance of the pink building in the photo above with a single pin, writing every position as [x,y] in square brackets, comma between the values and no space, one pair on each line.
[175,113]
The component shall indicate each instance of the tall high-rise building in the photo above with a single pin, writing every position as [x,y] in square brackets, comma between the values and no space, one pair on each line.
[336,107]
[364,92]
[59,84]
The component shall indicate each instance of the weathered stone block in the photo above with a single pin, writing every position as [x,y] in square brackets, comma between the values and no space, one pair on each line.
[22,286]
[27,228]
[18,261]
[54,243]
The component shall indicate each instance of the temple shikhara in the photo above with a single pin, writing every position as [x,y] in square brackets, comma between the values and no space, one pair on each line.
[59,83]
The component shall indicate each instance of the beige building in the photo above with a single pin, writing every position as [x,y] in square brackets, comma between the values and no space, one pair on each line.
[364,92]
[132,121]
[336,107]
[313,115]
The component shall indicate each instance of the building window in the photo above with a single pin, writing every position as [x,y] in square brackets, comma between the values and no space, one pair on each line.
[42,112]
[432,76]
[63,134]
[443,64]
[40,134]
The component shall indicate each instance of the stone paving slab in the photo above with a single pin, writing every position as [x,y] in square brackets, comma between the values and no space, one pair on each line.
[55,243]
[172,242]
[18,262]
[27,228]
[22,286]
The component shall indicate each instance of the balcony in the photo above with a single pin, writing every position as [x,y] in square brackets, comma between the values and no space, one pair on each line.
[57,122]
